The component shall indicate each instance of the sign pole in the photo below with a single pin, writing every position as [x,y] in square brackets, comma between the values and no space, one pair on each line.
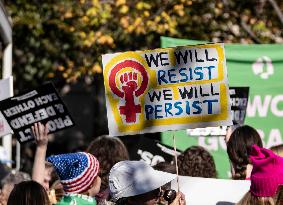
[176,161]
[7,72]
[6,36]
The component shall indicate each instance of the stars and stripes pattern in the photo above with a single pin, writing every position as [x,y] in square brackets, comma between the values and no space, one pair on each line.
[77,171]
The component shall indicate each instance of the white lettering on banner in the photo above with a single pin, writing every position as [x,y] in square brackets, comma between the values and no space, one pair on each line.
[46,99]
[274,105]
[53,125]
[60,108]
[30,104]
[238,101]
[59,123]
[19,108]
[261,133]
[212,143]
[30,118]
[274,137]
[150,158]
[26,135]
[263,67]
[257,105]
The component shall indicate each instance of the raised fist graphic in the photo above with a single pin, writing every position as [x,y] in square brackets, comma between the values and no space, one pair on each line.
[129,86]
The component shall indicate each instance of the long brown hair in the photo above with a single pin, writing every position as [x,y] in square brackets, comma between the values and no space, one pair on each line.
[108,151]
[28,193]
[238,148]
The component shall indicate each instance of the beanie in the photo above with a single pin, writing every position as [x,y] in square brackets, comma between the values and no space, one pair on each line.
[76,171]
[267,173]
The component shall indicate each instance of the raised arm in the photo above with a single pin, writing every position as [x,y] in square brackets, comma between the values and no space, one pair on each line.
[40,133]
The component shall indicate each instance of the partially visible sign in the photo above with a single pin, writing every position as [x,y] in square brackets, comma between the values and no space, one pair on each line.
[39,105]
[151,151]
[208,131]
[166,89]
[239,101]
[5,87]
[216,191]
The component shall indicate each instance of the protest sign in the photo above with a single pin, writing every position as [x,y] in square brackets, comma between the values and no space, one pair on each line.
[239,101]
[207,191]
[151,151]
[39,105]
[259,67]
[5,87]
[166,89]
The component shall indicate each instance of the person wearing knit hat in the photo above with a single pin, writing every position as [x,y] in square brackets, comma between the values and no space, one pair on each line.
[78,173]
[266,177]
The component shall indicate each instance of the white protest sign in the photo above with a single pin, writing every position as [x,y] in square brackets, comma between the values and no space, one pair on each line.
[5,87]
[207,191]
[166,89]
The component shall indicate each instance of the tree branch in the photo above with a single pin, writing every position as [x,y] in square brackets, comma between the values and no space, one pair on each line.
[246,27]
[277,10]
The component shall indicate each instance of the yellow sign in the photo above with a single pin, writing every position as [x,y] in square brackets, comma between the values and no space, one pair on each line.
[166,89]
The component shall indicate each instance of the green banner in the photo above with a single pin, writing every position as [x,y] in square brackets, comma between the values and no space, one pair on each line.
[259,67]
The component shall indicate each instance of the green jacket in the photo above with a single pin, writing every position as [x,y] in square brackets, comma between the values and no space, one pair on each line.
[77,199]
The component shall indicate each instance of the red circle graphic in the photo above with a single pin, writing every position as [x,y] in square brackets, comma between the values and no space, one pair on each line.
[132,64]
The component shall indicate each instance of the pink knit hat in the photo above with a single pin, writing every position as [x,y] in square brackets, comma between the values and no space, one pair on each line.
[267,173]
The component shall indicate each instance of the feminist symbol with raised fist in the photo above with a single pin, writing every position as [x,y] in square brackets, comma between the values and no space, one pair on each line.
[130,88]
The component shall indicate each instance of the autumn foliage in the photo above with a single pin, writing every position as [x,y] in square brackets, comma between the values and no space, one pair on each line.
[64,40]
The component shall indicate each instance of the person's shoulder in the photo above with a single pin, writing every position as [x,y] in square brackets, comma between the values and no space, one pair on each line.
[77,199]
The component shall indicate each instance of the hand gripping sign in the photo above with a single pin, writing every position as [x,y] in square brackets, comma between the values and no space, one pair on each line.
[166,89]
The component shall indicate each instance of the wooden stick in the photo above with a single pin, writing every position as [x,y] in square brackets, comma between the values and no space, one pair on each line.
[177,170]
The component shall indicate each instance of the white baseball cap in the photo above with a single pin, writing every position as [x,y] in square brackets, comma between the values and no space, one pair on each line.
[131,178]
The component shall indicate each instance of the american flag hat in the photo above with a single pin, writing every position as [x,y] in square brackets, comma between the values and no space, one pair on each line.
[76,171]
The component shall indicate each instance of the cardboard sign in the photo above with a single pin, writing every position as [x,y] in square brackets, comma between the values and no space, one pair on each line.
[206,191]
[40,105]
[166,89]
[239,101]
[5,87]
[151,151]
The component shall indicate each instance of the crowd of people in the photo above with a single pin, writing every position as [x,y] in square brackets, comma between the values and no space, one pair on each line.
[103,174]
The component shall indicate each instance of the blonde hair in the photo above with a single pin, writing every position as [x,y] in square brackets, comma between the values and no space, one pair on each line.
[250,199]
[277,149]
[56,192]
